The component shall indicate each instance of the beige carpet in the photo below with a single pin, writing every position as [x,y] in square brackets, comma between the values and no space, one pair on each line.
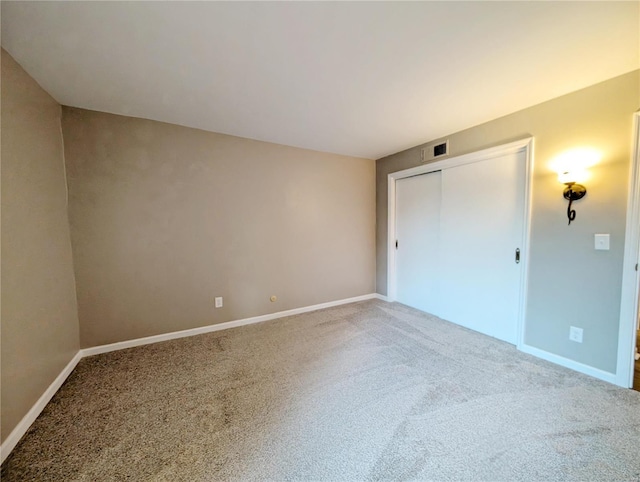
[365,391]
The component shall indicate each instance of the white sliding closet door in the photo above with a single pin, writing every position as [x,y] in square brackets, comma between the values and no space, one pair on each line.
[458,230]
[417,233]
[482,221]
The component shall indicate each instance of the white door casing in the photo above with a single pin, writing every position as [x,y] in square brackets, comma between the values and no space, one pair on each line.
[630,274]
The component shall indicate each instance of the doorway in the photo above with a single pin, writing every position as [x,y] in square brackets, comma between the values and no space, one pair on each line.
[457,221]
[628,368]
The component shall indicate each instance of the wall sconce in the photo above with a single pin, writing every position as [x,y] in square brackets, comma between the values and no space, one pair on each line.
[572,192]
[571,167]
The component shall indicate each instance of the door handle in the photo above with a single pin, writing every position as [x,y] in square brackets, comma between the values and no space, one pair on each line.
[517,255]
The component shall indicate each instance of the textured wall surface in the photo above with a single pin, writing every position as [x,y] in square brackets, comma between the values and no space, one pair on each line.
[164,218]
[569,282]
[39,313]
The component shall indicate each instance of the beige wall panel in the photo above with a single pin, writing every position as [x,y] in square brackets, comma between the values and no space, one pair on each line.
[39,313]
[164,218]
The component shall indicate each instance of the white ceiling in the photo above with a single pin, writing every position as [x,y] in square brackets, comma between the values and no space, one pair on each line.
[362,79]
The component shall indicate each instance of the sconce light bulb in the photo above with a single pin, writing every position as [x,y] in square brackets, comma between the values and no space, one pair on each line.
[565,177]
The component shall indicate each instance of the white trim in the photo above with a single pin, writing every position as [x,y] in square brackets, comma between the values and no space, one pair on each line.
[18,432]
[568,363]
[378,296]
[630,277]
[391,238]
[526,236]
[525,144]
[96,350]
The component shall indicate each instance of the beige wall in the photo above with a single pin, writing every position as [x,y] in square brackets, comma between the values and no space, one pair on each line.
[39,313]
[164,218]
[569,282]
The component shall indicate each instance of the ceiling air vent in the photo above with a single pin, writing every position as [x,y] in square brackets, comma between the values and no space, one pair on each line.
[435,151]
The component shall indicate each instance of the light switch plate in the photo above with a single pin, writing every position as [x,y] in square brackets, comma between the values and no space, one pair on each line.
[602,241]
[218,301]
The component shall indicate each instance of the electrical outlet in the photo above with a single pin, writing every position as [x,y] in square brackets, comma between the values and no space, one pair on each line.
[218,301]
[575,334]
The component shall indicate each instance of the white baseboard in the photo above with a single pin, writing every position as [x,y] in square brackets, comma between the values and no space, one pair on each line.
[96,350]
[22,427]
[18,432]
[571,364]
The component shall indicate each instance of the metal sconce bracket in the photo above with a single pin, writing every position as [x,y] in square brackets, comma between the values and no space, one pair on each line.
[573,192]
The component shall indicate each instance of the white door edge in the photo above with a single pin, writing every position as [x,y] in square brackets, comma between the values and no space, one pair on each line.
[525,144]
[630,277]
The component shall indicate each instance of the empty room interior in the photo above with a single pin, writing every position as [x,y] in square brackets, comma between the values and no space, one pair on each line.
[320,240]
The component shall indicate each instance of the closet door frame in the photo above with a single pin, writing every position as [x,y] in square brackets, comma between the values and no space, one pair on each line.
[525,145]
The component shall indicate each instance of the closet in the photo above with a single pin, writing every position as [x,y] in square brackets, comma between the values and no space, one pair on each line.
[459,241]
